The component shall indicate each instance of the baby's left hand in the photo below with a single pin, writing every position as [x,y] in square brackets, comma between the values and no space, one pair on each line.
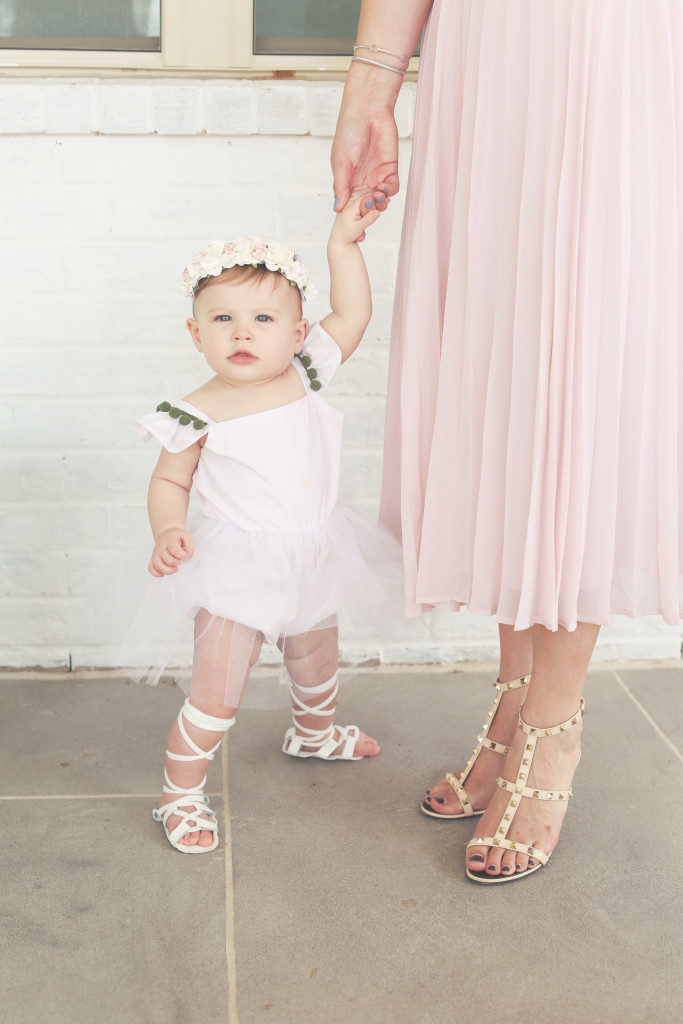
[351,223]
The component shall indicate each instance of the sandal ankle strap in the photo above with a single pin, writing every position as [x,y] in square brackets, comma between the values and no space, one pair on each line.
[514,684]
[555,730]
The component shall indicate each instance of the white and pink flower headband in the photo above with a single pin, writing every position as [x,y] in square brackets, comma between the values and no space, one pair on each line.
[250,251]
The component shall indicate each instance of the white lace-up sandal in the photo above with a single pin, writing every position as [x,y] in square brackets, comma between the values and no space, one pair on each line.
[517,790]
[457,781]
[199,817]
[324,741]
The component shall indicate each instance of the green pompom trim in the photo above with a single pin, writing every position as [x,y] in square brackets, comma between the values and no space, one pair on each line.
[311,372]
[184,418]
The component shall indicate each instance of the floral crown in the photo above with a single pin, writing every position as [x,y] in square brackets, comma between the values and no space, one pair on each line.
[250,251]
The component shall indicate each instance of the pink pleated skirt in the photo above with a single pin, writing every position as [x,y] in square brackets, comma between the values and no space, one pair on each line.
[534,446]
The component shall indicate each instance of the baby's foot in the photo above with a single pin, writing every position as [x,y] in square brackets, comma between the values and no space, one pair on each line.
[365,745]
[481,781]
[536,822]
[202,837]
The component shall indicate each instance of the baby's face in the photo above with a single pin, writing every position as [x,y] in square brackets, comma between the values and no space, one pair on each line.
[250,331]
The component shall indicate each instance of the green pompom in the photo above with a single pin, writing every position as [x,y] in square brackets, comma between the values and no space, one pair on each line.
[198,424]
[163,407]
[174,413]
[184,420]
[315,385]
[311,373]
[305,361]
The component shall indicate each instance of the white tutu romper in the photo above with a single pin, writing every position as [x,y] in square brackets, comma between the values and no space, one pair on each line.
[275,552]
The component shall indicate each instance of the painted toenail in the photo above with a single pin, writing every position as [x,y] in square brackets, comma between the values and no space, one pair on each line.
[532,863]
[506,868]
[491,868]
[440,800]
[518,867]
[475,856]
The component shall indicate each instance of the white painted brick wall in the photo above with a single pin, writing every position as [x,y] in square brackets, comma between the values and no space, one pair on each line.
[110,186]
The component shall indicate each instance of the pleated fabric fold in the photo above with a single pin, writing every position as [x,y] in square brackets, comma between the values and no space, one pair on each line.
[533,440]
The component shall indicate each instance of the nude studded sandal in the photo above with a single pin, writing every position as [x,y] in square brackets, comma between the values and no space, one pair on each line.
[457,782]
[324,741]
[199,817]
[517,790]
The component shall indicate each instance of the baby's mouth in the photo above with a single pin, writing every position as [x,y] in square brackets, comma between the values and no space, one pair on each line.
[242,357]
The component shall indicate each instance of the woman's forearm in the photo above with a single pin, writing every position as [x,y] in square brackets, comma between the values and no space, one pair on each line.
[393,25]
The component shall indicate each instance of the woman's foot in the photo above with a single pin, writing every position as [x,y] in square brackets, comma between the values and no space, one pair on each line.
[534,822]
[481,779]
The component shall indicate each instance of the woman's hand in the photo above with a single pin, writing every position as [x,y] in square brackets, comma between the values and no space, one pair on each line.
[365,153]
[172,547]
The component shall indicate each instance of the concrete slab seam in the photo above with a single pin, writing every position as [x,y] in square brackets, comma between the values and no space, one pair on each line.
[230,953]
[646,714]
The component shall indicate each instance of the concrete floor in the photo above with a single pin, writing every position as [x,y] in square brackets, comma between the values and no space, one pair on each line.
[331,899]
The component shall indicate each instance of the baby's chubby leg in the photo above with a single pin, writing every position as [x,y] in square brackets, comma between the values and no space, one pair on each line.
[224,654]
[311,659]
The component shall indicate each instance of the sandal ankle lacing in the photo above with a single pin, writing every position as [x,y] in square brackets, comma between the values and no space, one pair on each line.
[192,797]
[323,741]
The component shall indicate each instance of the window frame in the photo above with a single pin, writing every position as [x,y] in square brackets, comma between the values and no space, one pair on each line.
[197,36]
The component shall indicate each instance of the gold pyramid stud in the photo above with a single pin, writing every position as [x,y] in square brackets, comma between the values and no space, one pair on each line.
[513,803]
[529,746]
[563,728]
[536,793]
[518,789]
[549,732]
[513,846]
[526,761]
[496,842]
[480,842]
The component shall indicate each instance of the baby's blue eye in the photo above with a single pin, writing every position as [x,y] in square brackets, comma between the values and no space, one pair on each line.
[263,318]
[223,316]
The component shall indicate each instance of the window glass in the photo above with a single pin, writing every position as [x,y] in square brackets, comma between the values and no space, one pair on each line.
[305,26]
[80,25]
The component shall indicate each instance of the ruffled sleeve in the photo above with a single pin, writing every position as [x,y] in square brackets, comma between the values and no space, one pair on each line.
[324,355]
[176,426]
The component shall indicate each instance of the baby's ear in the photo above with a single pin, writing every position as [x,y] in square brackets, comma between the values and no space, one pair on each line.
[193,328]
[301,330]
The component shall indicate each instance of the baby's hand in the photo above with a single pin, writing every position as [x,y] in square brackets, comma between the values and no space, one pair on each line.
[350,224]
[172,547]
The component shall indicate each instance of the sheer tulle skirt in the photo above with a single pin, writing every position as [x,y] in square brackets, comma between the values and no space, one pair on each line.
[243,587]
[534,446]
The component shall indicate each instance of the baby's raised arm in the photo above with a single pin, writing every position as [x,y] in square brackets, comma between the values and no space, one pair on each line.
[167,501]
[350,296]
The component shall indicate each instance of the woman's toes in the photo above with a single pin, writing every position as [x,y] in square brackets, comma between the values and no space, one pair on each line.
[507,864]
[205,838]
[494,861]
[476,858]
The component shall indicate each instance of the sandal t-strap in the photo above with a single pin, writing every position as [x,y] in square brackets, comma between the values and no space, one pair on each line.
[323,741]
[457,781]
[199,817]
[517,790]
